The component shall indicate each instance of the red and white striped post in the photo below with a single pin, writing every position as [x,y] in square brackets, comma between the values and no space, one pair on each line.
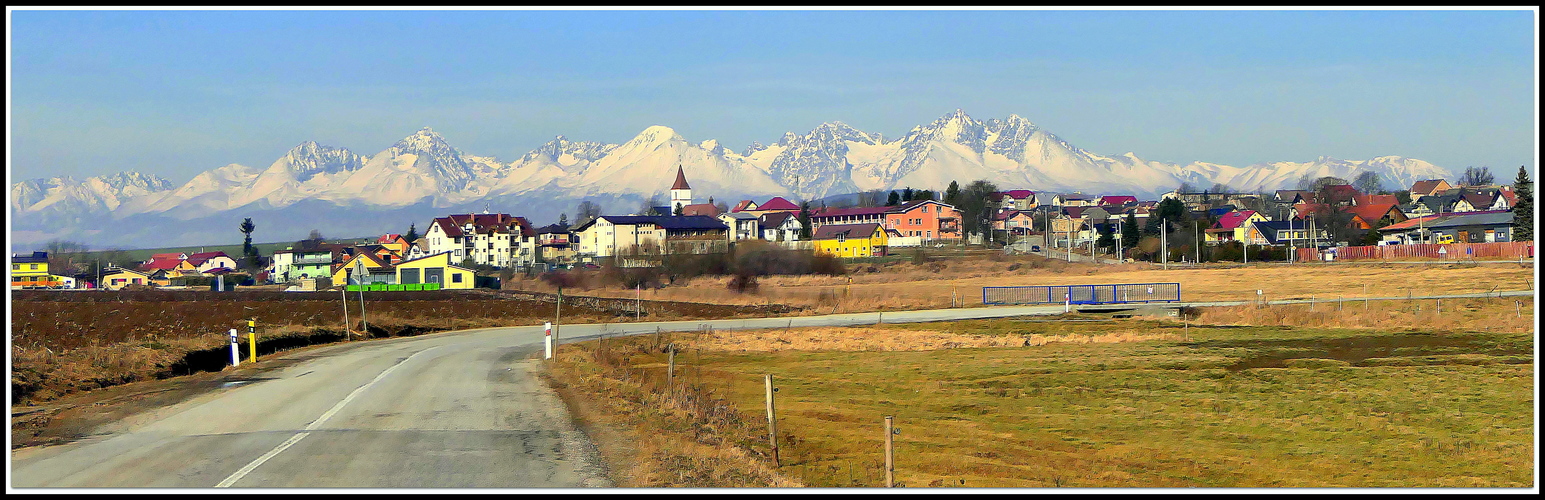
[547,339]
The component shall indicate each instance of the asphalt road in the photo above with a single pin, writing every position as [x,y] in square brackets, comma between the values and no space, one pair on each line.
[452,410]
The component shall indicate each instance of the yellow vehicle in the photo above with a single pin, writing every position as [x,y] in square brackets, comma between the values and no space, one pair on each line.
[1445,238]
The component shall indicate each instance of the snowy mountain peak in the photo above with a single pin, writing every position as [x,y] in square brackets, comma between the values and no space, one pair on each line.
[426,141]
[657,134]
[309,159]
[753,148]
[788,137]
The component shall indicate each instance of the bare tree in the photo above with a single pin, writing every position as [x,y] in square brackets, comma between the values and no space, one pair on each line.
[1476,176]
[644,207]
[587,210]
[1368,182]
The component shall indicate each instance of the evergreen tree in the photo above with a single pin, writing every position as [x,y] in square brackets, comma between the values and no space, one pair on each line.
[1523,211]
[895,199]
[926,194]
[412,234]
[804,220]
[1129,231]
[952,194]
[248,252]
[1107,238]
[563,219]
[906,194]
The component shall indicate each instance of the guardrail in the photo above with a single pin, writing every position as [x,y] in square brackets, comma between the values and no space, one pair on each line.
[1124,293]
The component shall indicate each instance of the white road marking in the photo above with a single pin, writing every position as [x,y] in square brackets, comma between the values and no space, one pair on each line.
[313,425]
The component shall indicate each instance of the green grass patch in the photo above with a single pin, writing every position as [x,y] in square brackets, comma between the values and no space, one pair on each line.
[1227,407]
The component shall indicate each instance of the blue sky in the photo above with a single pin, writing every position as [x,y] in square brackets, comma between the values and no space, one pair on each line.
[175,93]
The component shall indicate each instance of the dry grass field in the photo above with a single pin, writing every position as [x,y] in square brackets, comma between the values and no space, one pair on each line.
[901,285]
[1226,399]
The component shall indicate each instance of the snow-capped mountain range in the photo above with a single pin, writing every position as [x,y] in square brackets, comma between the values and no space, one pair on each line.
[423,175]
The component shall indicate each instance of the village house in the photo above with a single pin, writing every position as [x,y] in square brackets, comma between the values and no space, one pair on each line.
[1232,226]
[365,268]
[929,219]
[1466,227]
[496,240]
[1013,221]
[609,235]
[114,279]
[851,240]
[1429,187]
[1373,216]
[742,225]
[434,269]
[31,271]
[775,205]
[554,244]
[1072,200]
[779,226]
[1015,199]
[1287,232]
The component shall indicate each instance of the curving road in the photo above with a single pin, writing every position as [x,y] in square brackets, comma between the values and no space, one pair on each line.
[450,410]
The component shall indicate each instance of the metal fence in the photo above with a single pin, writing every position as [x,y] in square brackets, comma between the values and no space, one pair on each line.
[1126,293]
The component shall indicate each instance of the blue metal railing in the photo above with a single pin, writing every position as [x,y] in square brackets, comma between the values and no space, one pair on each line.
[1125,293]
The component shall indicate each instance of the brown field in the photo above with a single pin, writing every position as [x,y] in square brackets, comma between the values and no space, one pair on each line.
[66,342]
[1229,397]
[902,285]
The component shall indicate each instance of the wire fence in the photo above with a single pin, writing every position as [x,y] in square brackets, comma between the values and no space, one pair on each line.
[1126,293]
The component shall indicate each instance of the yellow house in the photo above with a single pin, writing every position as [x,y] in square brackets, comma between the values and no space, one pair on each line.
[1235,226]
[851,240]
[435,268]
[31,271]
[124,277]
[376,270]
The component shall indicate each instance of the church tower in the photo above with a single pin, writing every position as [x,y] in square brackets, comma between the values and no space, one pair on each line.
[681,193]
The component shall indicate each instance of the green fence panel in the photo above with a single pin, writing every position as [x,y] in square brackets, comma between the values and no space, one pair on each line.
[415,287]
[432,286]
[352,288]
[395,288]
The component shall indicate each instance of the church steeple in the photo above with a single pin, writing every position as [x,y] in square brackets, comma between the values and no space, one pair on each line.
[681,192]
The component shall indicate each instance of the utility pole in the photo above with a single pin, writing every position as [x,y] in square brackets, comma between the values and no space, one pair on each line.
[1164,241]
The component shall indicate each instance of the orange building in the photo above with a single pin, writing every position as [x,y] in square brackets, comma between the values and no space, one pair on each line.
[929,219]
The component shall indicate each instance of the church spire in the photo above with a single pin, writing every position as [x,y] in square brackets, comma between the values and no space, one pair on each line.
[681,179]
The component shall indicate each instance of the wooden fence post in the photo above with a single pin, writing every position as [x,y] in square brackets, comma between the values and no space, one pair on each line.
[772,421]
[890,457]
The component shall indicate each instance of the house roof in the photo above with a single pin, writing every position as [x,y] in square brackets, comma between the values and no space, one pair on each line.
[744,205]
[1018,194]
[1233,220]
[1490,217]
[1426,186]
[389,238]
[374,261]
[680,223]
[1375,199]
[1074,212]
[1117,200]
[681,179]
[1340,193]
[1305,208]
[1221,211]
[847,212]
[1479,199]
[173,255]
[35,257]
[206,255]
[742,216]
[454,224]
[908,206]
[553,228]
[1373,212]
[831,231]
[775,219]
[777,203]
[700,209]
[1008,214]
[161,264]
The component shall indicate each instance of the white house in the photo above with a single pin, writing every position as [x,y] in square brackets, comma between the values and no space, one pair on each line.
[743,226]
[780,226]
[498,240]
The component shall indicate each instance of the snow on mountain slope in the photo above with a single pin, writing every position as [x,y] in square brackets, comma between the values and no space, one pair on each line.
[646,165]
[423,173]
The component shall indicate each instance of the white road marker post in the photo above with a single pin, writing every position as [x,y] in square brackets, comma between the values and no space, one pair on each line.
[1067,302]
[235,350]
[547,340]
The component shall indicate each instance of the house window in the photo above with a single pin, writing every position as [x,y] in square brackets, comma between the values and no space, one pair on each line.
[455,277]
